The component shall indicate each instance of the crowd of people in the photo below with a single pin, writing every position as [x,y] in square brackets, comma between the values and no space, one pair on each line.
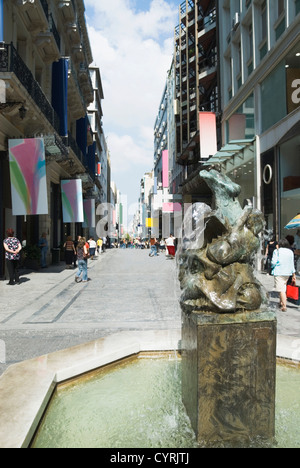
[282,258]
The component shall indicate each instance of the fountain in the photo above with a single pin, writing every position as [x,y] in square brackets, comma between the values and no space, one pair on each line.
[229,335]
[227,371]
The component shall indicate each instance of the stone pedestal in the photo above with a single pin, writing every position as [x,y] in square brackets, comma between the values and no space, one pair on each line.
[229,375]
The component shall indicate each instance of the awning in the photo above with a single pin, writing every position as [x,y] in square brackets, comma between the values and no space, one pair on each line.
[294,223]
[234,149]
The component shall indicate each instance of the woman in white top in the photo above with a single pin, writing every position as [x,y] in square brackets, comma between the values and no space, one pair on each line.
[283,266]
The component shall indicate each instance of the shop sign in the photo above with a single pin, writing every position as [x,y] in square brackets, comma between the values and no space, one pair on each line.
[268,174]
[293,89]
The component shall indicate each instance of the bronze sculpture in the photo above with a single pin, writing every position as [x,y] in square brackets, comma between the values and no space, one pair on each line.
[215,266]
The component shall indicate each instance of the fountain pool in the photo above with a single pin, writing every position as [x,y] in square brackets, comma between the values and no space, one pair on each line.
[137,404]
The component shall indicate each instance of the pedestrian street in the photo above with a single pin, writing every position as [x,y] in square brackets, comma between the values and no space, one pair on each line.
[127,291]
[48,311]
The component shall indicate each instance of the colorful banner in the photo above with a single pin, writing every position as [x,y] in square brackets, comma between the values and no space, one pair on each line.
[171,207]
[72,201]
[152,222]
[237,127]
[28,177]
[165,169]
[89,210]
[208,134]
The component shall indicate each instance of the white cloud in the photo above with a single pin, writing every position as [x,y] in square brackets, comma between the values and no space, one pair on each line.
[127,153]
[133,49]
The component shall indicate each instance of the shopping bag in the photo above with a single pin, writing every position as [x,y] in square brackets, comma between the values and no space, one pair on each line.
[293,295]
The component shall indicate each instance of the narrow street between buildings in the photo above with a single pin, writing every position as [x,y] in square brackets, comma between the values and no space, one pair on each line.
[48,311]
[127,291]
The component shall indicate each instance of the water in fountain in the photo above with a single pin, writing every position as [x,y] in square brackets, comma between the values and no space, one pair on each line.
[138,405]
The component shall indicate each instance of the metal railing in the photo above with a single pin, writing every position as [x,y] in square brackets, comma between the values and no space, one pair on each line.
[10,61]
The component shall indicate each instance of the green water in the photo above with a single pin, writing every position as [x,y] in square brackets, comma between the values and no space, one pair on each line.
[138,405]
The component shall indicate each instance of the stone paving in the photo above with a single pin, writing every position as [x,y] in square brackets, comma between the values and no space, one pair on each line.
[127,290]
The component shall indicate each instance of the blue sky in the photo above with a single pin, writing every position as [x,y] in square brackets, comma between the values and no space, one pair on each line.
[132,44]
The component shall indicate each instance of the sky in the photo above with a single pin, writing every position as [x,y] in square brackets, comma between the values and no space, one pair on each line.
[132,44]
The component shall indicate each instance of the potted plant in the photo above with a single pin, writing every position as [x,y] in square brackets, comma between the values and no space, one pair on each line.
[32,254]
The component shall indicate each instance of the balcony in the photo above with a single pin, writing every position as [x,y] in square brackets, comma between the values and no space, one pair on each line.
[86,83]
[77,103]
[40,23]
[68,9]
[23,86]
[48,42]
[34,14]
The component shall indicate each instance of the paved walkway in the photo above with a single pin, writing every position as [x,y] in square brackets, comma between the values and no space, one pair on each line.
[49,311]
[127,291]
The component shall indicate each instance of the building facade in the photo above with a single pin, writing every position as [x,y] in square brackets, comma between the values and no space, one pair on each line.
[45,92]
[260,76]
[196,89]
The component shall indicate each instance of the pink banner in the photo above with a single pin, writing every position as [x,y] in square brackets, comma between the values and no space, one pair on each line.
[28,176]
[72,201]
[171,207]
[89,209]
[208,134]
[165,169]
[237,127]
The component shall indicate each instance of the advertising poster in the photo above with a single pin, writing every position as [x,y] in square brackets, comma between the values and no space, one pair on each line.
[28,177]
[89,209]
[72,201]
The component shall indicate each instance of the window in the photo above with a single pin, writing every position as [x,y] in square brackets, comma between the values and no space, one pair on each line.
[280,7]
[250,42]
[264,21]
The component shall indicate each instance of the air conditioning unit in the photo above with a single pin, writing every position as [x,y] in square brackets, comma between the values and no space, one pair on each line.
[236,21]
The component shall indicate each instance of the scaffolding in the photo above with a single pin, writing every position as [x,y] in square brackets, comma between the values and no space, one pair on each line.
[196,74]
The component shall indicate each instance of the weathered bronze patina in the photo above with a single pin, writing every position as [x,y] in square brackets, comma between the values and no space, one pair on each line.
[228,338]
[215,270]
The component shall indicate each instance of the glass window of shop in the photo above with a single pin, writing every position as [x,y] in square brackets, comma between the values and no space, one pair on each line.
[273,97]
[241,125]
[241,166]
[290,182]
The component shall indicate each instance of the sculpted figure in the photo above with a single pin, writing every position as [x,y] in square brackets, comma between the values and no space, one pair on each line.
[215,272]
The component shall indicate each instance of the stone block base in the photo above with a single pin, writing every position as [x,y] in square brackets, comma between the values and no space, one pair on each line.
[229,375]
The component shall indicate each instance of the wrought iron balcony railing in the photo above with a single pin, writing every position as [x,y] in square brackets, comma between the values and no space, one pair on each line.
[10,61]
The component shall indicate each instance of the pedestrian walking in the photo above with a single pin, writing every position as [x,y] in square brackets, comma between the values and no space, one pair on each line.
[82,256]
[43,245]
[92,249]
[12,247]
[153,243]
[271,247]
[283,267]
[170,243]
[75,255]
[99,245]
[70,252]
